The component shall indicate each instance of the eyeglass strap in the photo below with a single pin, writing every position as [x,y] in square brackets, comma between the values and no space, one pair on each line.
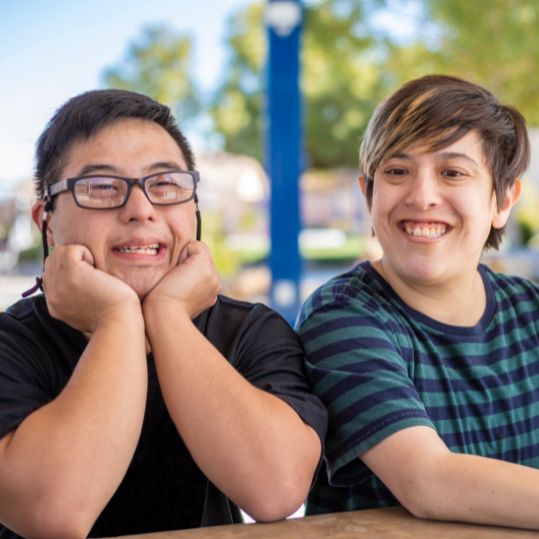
[39,279]
[199,220]
[46,210]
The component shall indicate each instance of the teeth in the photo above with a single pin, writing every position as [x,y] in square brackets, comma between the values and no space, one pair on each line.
[150,249]
[425,231]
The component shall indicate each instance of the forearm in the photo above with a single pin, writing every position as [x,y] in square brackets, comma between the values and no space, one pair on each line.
[251,444]
[67,458]
[432,482]
[476,489]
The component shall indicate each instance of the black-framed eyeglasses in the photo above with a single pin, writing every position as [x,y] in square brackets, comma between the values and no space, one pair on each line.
[104,192]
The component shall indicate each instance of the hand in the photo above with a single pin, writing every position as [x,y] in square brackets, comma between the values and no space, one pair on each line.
[192,285]
[79,294]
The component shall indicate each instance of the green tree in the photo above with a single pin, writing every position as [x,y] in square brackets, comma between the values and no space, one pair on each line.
[492,42]
[158,64]
[353,55]
[237,107]
[340,82]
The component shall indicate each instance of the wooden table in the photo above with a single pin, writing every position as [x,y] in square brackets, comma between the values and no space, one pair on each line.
[390,523]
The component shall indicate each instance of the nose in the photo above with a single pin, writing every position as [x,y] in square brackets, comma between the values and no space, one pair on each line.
[424,191]
[137,206]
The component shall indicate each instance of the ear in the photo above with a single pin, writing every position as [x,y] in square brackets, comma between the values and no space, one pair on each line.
[510,199]
[38,209]
[362,184]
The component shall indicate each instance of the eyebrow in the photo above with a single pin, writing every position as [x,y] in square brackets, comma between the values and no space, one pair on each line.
[443,155]
[111,169]
[458,155]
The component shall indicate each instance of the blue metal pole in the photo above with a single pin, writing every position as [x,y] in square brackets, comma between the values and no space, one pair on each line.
[283,152]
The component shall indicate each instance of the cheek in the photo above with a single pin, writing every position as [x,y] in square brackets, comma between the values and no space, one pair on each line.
[183,224]
[65,221]
[63,229]
[72,227]
[476,206]
[381,207]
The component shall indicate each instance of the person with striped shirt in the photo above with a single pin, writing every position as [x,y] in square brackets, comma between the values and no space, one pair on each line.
[428,361]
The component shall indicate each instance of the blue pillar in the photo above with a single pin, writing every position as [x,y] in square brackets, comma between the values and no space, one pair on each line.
[284,152]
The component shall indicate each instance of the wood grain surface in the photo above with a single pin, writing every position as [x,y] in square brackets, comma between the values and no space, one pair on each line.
[390,523]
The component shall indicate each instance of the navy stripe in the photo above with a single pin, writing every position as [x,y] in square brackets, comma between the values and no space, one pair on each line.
[524,427]
[336,323]
[345,346]
[492,381]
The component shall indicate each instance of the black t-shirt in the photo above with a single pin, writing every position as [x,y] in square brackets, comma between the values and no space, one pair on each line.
[163,488]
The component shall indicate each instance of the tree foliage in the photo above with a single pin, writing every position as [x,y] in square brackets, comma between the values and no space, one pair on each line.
[492,42]
[340,81]
[353,55]
[351,61]
[157,64]
[340,84]
[237,106]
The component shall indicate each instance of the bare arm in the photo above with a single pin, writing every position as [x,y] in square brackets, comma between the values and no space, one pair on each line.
[249,443]
[61,466]
[432,482]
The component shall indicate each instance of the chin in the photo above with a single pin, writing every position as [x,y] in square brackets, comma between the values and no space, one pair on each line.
[141,287]
[423,272]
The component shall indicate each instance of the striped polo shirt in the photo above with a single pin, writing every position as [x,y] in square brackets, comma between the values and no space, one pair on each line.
[380,366]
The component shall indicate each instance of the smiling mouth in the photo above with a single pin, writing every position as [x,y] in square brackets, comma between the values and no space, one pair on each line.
[149,249]
[425,230]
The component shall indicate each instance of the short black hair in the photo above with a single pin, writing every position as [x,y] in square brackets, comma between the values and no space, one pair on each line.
[84,115]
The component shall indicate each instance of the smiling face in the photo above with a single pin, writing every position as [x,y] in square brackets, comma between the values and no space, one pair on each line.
[432,212]
[138,243]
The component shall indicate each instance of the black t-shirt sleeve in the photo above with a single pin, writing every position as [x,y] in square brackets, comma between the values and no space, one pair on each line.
[268,353]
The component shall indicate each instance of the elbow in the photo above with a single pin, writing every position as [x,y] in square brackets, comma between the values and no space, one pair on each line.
[417,509]
[50,529]
[417,499]
[57,521]
[277,502]
[281,487]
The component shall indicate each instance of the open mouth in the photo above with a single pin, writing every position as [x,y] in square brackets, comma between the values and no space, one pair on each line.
[432,229]
[151,249]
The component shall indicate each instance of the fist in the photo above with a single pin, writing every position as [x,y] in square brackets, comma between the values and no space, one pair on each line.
[79,294]
[192,285]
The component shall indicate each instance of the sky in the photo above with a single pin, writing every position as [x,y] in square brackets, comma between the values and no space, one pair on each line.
[51,50]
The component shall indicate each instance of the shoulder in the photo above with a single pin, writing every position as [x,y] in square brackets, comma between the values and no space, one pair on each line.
[510,289]
[357,318]
[27,328]
[23,317]
[231,325]
[236,314]
[26,348]
[358,293]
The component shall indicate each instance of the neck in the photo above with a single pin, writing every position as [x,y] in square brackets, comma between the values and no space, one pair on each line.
[460,302]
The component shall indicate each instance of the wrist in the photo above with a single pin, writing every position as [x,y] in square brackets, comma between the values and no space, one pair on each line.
[161,314]
[124,314]
[162,305]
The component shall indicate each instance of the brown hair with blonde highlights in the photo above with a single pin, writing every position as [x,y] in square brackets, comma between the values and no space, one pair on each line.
[436,111]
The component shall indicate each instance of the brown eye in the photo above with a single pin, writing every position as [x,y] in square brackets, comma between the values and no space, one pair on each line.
[453,174]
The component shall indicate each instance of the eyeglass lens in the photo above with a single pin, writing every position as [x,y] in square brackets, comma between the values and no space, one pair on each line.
[108,192]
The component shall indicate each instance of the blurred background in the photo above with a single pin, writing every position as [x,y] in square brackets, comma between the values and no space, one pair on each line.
[207,61]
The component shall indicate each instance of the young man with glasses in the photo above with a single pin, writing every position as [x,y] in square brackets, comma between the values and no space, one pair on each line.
[133,397]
